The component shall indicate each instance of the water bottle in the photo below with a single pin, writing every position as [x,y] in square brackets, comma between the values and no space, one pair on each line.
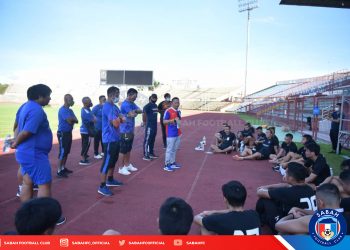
[241,148]
[7,144]
[331,171]
[204,141]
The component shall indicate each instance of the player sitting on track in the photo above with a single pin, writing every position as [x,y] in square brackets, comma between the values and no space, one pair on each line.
[287,146]
[38,216]
[343,184]
[226,141]
[231,221]
[276,200]
[244,136]
[297,221]
[175,217]
[319,170]
[260,138]
[298,156]
[267,148]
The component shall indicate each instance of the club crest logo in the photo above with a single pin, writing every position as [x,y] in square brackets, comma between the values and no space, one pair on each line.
[327,227]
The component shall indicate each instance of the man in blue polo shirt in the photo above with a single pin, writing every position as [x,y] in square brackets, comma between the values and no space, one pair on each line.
[97,112]
[87,129]
[129,110]
[150,113]
[111,119]
[66,121]
[33,144]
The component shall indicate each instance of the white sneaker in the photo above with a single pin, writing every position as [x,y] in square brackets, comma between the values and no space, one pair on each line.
[282,171]
[98,157]
[102,154]
[124,171]
[131,168]
[199,148]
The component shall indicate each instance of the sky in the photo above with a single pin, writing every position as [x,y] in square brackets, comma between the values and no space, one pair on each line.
[65,42]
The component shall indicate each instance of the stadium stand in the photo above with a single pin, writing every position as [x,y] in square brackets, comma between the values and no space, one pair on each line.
[16,93]
[196,98]
[326,85]
[293,103]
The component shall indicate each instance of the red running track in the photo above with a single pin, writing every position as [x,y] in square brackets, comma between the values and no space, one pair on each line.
[133,209]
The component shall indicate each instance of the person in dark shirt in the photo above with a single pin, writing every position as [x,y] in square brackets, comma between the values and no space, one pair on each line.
[276,200]
[276,142]
[162,107]
[287,146]
[335,125]
[260,138]
[150,113]
[343,184]
[345,165]
[218,135]
[246,137]
[248,130]
[227,143]
[345,204]
[175,217]
[231,221]
[298,156]
[320,169]
[267,148]
[297,221]
[38,216]
[66,121]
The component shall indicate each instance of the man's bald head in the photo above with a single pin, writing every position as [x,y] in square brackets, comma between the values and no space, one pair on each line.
[68,100]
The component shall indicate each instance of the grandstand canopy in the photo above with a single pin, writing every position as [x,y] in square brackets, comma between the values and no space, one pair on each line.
[319,3]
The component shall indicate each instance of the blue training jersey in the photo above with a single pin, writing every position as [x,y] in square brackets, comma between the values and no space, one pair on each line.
[63,114]
[97,111]
[110,112]
[129,125]
[33,119]
[86,118]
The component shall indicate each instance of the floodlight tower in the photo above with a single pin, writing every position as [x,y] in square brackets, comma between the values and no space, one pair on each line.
[248,6]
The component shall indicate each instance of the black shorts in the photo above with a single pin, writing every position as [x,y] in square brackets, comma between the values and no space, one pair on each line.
[65,141]
[126,141]
[265,153]
[224,146]
[111,154]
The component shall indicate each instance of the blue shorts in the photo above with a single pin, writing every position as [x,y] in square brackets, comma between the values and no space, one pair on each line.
[39,172]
